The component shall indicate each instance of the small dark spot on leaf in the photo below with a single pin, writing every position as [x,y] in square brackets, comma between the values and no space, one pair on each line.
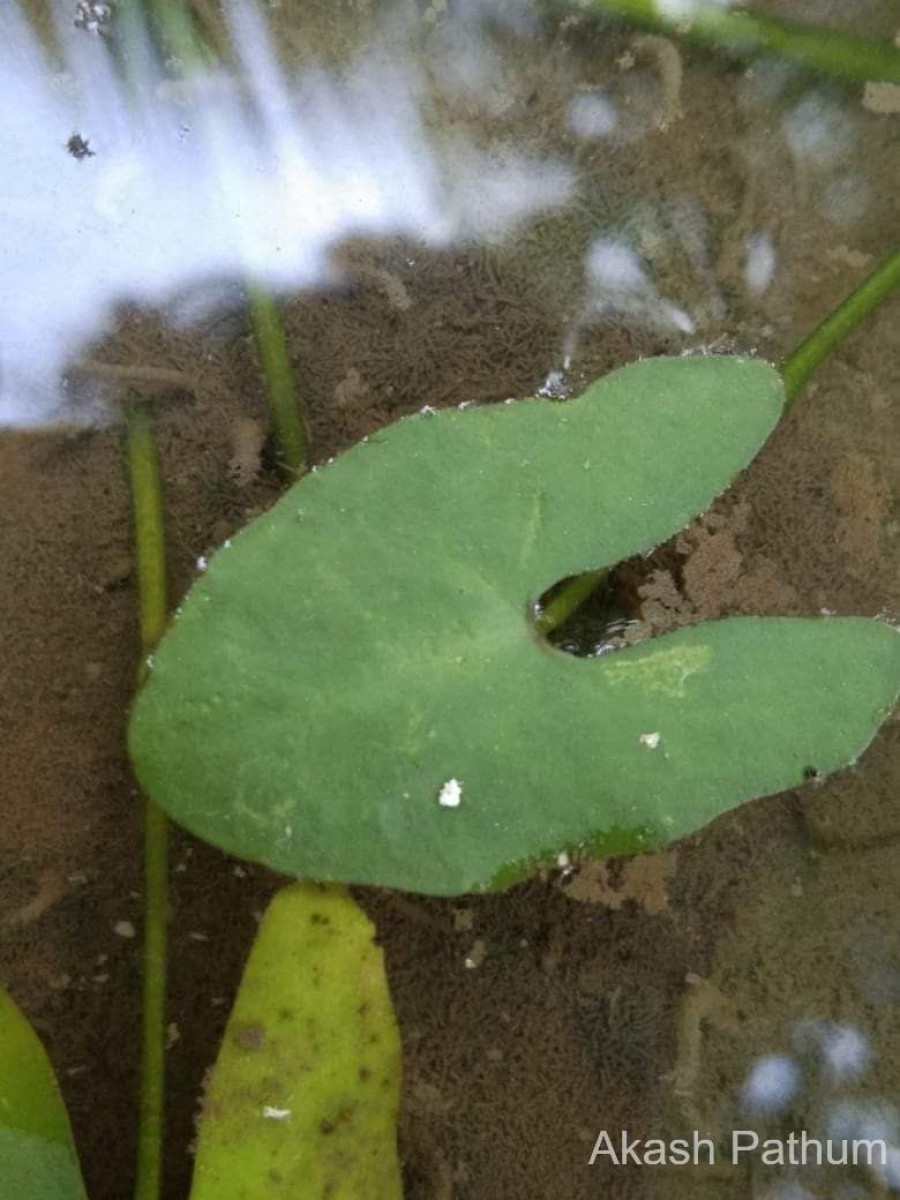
[319,919]
[364,1074]
[810,773]
[285,1014]
[249,1037]
[329,1124]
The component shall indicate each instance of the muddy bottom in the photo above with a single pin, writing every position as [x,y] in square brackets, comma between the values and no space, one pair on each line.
[636,994]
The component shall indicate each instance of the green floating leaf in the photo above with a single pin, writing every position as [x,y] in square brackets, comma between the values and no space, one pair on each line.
[364,655]
[37,1155]
[302,1102]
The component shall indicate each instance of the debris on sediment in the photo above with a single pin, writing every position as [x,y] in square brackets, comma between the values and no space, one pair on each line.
[670,70]
[248,436]
[880,97]
[51,888]
[701,1004]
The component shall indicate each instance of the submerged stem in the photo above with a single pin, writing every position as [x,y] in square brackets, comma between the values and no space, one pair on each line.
[146,497]
[284,404]
[136,376]
[201,43]
[826,51]
[826,337]
[567,600]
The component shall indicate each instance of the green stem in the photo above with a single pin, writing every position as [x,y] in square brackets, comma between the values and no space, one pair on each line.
[146,497]
[823,50]
[176,27]
[567,600]
[288,417]
[795,371]
[797,368]
[271,345]
[175,24]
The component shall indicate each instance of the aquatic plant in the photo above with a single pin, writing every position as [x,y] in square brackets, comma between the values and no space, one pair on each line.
[355,691]
[174,185]
[386,612]
[304,1095]
[741,32]
[362,665]
[37,1157]
[303,1098]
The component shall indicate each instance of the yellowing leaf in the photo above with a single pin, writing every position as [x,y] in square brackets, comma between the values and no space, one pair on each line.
[302,1102]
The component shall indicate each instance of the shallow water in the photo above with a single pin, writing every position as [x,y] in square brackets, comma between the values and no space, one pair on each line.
[574,1021]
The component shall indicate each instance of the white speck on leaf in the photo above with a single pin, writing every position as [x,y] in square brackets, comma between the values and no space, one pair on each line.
[650,740]
[450,794]
[276,1114]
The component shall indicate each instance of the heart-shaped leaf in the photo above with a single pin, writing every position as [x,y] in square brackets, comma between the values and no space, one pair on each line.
[302,1102]
[37,1157]
[355,690]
